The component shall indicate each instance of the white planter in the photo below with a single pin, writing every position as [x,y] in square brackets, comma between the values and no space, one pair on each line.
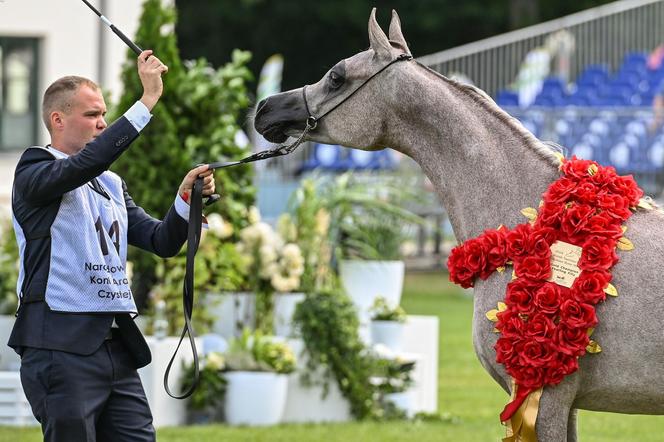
[9,360]
[232,312]
[255,398]
[284,308]
[388,333]
[403,401]
[365,281]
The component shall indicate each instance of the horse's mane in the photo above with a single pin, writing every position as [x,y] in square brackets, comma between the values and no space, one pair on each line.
[546,150]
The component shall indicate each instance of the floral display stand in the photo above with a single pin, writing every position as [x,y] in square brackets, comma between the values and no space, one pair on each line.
[420,339]
[166,411]
[364,281]
[255,398]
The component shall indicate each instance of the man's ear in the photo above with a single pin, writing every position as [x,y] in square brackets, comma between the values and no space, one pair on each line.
[57,120]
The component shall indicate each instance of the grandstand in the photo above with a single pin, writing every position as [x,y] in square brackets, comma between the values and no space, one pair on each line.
[586,81]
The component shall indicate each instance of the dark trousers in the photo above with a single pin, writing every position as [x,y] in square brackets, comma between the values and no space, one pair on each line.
[93,398]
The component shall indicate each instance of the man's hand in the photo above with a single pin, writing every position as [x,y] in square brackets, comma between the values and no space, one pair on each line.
[188,182]
[150,69]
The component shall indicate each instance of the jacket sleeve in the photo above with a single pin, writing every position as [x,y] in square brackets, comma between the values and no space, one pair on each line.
[40,179]
[164,238]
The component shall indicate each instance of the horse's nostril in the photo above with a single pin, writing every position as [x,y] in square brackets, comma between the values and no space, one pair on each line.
[261,104]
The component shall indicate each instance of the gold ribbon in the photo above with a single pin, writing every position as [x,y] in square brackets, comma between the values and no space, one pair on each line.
[521,426]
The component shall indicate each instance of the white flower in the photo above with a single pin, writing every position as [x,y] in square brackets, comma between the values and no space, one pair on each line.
[254,216]
[265,234]
[269,270]
[215,360]
[215,224]
[280,283]
[268,254]
[291,252]
[250,235]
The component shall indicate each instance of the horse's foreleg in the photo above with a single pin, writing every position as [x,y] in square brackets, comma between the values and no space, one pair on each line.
[571,425]
[554,415]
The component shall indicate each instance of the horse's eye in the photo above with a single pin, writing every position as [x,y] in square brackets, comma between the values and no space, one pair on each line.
[336,80]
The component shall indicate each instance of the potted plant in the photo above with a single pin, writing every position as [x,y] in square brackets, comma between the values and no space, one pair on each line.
[274,265]
[368,220]
[393,380]
[256,369]
[387,324]
[206,402]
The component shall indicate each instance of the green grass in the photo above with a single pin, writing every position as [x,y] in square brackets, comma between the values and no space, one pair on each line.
[468,398]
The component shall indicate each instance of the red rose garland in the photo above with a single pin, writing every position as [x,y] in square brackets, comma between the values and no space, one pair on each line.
[544,326]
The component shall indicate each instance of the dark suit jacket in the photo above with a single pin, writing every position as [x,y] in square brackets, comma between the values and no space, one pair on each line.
[39,183]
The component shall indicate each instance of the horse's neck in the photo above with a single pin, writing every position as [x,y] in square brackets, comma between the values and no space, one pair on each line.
[483,165]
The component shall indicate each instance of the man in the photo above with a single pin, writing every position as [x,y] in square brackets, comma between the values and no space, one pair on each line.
[73,219]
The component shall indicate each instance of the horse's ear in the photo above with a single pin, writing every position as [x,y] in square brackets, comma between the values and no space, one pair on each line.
[395,32]
[377,38]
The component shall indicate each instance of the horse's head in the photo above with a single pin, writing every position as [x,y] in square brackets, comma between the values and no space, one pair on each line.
[349,103]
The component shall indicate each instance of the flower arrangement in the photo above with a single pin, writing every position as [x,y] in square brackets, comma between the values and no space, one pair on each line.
[546,326]
[271,265]
[381,311]
[391,373]
[308,225]
[212,386]
[218,267]
[256,352]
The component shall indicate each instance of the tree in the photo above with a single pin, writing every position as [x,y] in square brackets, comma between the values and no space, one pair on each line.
[314,35]
[195,121]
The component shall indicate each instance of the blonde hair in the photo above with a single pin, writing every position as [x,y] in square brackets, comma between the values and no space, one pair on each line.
[58,96]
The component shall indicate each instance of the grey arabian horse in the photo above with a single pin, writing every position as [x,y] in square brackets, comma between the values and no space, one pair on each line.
[485,168]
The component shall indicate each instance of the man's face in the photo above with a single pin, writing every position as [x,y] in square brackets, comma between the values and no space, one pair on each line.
[85,119]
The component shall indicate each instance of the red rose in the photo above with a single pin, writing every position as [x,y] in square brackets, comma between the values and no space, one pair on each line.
[493,243]
[517,241]
[577,314]
[540,327]
[540,241]
[560,191]
[535,354]
[510,324]
[576,168]
[559,368]
[459,273]
[589,286]
[529,377]
[604,176]
[626,186]
[549,214]
[616,206]
[475,260]
[570,341]
[604,225]
[533,267]
[585,192]
[574,220]
[520,295]
[598,254]
[505,351]
[547,298]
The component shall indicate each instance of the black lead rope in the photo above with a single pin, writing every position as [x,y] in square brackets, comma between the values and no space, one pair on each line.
[196,215]
[193,239]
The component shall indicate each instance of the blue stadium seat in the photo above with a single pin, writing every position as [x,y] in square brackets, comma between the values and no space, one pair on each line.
[213,342]
[370,160]
[326,156]
[507,98]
